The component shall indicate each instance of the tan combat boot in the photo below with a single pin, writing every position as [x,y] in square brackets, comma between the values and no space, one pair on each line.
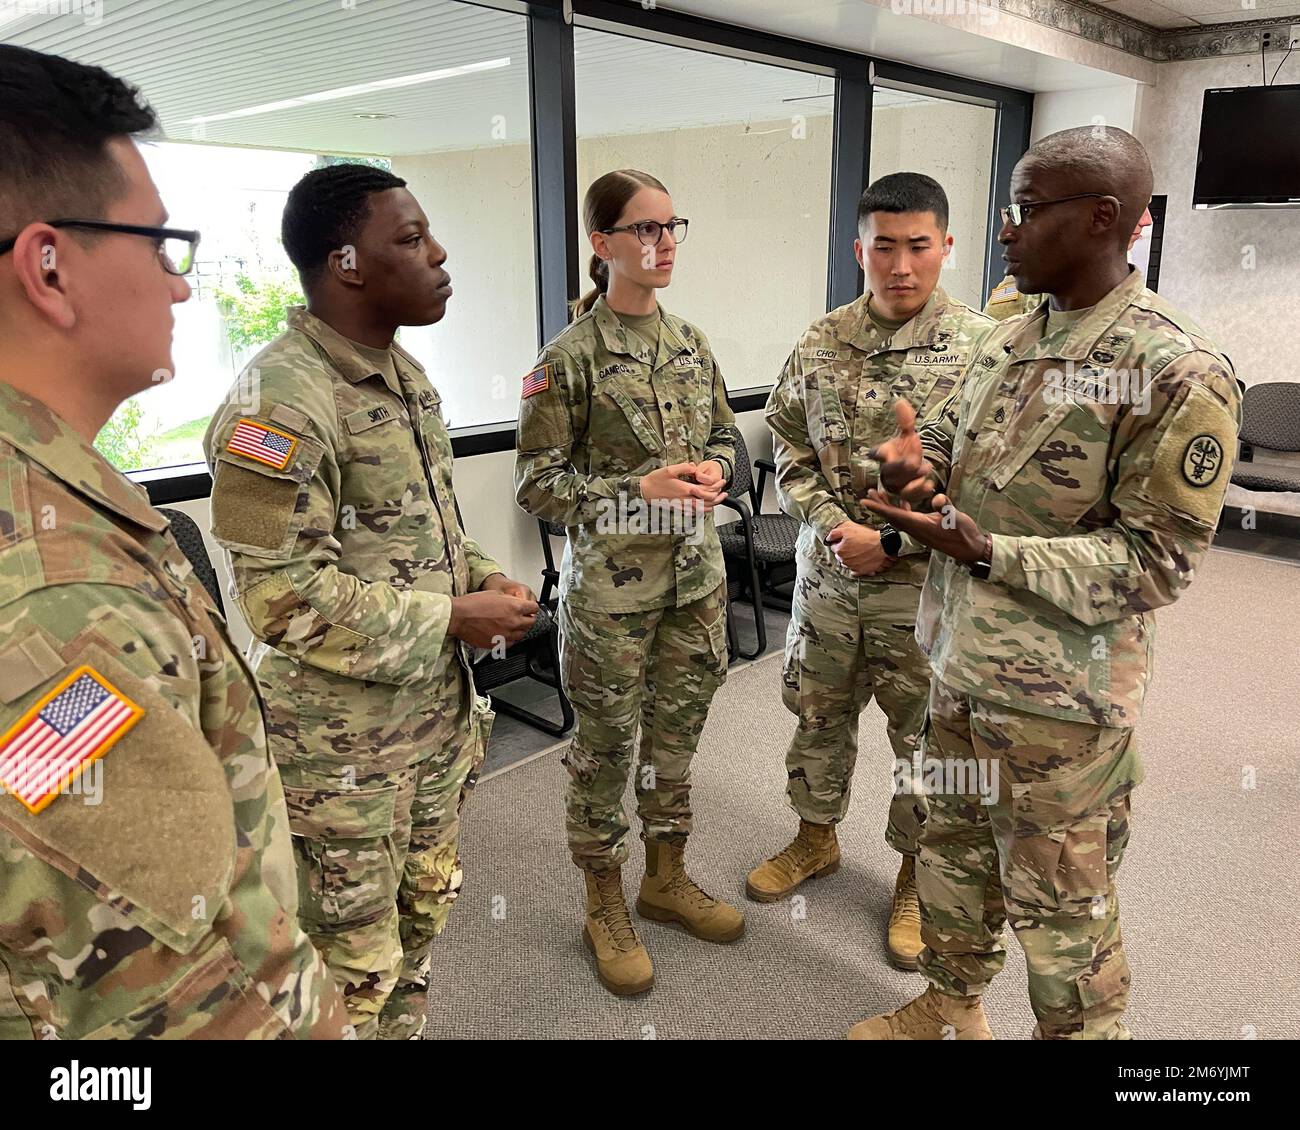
[932,1016]
[814,851]
[903,941]
[622,963]
[668,894]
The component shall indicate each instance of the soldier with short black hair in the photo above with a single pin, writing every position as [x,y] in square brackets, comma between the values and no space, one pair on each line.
[146,878]
[851,635]
[332,491]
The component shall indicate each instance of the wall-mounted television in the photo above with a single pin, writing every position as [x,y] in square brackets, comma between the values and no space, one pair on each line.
[1249,152]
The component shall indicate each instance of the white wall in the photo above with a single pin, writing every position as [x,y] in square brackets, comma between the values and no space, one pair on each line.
[1236,271]
[952,142]
[1065,109]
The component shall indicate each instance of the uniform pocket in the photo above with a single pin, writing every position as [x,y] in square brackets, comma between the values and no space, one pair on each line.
[343,841]
[188,1008]
[1060,856]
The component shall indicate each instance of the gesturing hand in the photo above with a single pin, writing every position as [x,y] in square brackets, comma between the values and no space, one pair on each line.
[945,529]
[904,470]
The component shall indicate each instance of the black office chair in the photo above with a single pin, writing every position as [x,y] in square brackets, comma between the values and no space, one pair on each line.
[1270,418]
[536,656]
[760,549]
[190,539]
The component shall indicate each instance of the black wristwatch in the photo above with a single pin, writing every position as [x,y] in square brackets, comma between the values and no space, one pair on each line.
[980,569]
[891,541]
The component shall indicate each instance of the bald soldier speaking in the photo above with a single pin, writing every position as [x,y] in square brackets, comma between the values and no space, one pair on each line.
[1082,465]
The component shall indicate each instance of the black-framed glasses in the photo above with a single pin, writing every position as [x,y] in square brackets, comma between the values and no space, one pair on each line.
[650,232]
[177,247]
[1016,214]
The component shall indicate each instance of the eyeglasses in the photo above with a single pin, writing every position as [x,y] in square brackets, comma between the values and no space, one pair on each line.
[1016,214]
[176,248]
[650,232]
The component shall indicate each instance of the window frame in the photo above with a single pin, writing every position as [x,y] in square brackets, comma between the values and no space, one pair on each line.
[557,200]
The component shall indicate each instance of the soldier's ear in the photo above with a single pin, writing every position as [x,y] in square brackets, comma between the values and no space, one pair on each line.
[342,264]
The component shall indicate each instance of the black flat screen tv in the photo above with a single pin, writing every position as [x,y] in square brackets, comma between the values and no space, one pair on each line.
[1249,152]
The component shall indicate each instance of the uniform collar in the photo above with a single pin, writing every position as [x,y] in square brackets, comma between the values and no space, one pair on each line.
[856,328]
[342,352]
[617,339]
[1085,335]
[46,438]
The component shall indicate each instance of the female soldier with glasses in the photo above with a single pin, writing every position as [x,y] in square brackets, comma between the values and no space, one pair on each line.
[623,439]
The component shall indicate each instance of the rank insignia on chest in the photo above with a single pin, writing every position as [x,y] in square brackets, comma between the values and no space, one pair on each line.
[73,725]
[263,444]
[539,380]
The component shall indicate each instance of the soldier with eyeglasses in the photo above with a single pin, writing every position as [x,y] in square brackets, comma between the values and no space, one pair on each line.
[146,878]
[623,439]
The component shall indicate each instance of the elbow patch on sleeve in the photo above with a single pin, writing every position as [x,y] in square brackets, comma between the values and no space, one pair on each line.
[1193,459]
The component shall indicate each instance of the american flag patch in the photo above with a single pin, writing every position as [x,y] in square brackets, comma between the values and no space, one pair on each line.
[1007,291]
[266,445]
[57,738]
[539,380]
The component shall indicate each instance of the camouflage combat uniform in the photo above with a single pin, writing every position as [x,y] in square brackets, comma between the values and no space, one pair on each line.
[1006,301]
[852,638]
[153,896]
[1101,504]
[642,615]
[332,490]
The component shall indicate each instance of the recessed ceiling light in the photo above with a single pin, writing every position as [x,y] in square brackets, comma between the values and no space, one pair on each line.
[374,117]
[352,91]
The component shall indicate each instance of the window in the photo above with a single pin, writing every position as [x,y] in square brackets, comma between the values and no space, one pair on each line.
[745,150]
[953,142]
[436,90]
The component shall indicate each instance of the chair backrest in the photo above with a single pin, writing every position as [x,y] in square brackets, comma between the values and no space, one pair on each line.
[1270,416]
[190,539]
[742,479]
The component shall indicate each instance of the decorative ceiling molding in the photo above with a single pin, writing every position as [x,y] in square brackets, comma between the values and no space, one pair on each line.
[1113,29]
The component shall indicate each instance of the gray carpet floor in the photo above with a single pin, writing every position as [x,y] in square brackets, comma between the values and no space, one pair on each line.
[1210,886]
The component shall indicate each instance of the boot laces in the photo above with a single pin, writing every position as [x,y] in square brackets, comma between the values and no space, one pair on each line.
[906,908]
[613,912]
[795,855]
[681,884]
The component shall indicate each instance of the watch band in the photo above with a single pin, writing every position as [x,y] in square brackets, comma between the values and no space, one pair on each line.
[980,569]
[891,541]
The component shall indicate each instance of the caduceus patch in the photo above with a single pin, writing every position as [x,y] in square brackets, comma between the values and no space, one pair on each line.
[1202,460]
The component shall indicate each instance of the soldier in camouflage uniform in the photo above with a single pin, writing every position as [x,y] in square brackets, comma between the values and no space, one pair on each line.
[1083,464]
[146,877]
[852,629]
[332,490]
[622,439]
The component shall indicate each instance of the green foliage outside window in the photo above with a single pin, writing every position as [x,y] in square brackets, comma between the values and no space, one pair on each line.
[256,312]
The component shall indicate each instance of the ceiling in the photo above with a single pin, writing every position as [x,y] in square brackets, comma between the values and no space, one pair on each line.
[285,74]
[1169,14]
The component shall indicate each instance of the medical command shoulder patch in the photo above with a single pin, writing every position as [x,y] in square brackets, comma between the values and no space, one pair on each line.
[264,444]
[73,725]
[539,380]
